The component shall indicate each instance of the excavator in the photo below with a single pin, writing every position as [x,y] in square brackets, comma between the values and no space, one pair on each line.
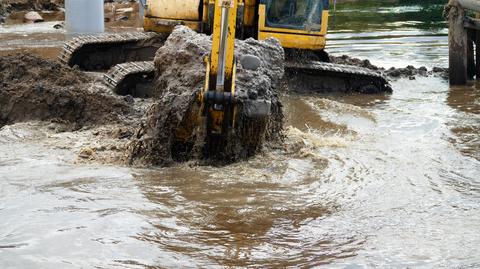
[299,25]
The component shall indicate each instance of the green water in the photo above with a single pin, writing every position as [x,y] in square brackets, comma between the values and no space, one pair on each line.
[394,33]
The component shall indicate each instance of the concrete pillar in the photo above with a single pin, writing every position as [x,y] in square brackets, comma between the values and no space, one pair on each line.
[458,44]
[84,16]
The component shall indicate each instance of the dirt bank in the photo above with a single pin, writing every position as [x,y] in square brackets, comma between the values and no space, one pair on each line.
[32,88]
[7,6]
[392,73]
[171,131]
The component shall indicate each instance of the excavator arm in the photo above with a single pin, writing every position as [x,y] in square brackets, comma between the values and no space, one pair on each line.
[218,96]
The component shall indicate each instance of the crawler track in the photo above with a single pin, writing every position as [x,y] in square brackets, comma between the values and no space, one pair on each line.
[315,76]
[133,78]
[101,52]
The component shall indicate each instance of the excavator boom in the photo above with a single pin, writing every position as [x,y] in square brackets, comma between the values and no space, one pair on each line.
[218,97]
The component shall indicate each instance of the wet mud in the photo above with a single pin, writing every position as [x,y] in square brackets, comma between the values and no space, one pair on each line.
[33,88]
[72,110]
[171,131]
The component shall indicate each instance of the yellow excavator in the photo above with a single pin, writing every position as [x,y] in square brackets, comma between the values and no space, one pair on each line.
[299,25]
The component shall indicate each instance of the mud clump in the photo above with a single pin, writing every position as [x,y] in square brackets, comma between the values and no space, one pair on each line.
[32,88]
[173,129]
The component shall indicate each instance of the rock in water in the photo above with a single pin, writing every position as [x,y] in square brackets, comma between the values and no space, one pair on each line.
[32,16]
[173,128]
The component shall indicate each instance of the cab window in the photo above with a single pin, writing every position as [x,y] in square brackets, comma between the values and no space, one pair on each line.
[295,14]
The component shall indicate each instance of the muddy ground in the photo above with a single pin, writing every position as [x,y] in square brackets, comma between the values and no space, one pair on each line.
[75,104]
[37,89]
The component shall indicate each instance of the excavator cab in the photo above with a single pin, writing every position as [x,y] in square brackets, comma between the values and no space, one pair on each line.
[297,15]
[298,24]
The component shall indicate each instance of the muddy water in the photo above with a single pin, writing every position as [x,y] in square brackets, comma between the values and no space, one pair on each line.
[366,181]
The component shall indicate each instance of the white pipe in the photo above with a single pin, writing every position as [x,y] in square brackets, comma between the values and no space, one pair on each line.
[222,53]
[470,4]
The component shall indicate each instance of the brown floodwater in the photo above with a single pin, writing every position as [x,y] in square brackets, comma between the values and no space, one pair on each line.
[365,181]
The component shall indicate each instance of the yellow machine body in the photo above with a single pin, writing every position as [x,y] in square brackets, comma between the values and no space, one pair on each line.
[292,38]
[163,15]
[174,9]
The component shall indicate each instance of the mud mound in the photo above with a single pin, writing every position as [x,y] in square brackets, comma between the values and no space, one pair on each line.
[26,68]
[33,88]
[171,132]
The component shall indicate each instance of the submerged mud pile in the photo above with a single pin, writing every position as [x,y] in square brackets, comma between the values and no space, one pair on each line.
[171,131]
[32,88]
[392,73]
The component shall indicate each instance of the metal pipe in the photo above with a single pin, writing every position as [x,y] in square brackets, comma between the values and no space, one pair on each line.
[470,4]
[223,47]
